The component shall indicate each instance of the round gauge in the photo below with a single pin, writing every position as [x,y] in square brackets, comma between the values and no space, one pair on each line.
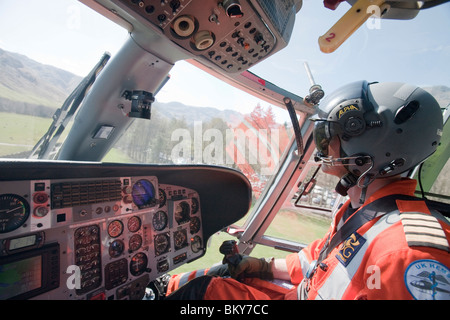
[182,211]
[159,220]
[14,211]
[116,248]
[135,242]
[196,244]
[162,243]
[162,198]
[180,239]
[40,211]
[194,225]
[134,224]
[138,264]
[195,205]
[143,194]
[115,228]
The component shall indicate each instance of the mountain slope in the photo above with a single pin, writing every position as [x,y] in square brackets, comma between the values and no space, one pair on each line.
[29,87]
[32,83]
[441,94]
[190,113]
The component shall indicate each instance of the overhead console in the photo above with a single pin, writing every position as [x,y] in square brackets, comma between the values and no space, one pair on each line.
[66,233]
[230,35]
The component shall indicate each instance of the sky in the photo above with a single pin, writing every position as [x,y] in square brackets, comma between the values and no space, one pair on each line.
[71,36]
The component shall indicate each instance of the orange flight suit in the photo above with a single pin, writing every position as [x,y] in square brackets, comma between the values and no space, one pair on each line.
[395,256]
[403,254]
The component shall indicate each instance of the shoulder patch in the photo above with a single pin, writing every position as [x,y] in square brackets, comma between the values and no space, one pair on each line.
[423,230]
[428,280]
[350,248]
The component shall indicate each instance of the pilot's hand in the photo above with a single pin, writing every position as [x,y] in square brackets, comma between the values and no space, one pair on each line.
[250,267]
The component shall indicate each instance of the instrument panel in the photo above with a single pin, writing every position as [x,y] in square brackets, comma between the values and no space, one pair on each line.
[231,35]
[99,238]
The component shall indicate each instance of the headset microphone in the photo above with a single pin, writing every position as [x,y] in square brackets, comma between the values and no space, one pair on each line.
[348,180]
[355,160]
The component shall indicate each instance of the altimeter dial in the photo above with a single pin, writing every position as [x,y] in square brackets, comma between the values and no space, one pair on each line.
[14,212]
[162,244]
[159,220]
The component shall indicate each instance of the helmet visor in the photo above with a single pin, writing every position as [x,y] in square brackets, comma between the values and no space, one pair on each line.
[322,136]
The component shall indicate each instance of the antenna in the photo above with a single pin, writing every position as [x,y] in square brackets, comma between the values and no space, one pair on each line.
[315,91]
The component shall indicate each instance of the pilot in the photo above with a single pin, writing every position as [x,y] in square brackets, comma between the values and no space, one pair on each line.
[383,240]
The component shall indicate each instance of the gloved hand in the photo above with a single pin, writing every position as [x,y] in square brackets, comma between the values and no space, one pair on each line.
[250,267]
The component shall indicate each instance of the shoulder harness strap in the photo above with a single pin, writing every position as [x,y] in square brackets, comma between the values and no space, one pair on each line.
[385,205]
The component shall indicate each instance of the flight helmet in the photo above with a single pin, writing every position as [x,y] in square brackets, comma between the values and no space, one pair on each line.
[384,129]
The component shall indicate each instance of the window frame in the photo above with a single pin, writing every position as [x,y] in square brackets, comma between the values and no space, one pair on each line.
[279,187]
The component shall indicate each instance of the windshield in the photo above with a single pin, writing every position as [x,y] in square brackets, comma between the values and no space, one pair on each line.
[197,118]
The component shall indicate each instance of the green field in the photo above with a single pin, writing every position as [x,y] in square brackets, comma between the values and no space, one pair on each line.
[19,133]
[14,95]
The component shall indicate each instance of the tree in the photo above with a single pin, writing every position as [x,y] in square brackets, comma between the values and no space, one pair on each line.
[258,137]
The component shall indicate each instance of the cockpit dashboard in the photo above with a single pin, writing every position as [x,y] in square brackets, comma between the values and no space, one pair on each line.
[74,235]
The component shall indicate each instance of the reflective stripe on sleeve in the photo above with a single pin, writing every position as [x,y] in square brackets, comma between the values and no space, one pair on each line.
[341,276]
[304,263]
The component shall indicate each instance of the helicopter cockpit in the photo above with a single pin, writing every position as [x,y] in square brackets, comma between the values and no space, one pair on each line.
[120,185]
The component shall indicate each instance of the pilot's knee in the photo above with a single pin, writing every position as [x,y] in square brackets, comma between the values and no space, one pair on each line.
[220,270]
[193,290]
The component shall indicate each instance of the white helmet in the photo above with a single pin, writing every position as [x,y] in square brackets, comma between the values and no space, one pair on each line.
[384,129]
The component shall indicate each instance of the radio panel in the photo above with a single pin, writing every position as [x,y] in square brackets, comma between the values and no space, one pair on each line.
[230,35]
[109,236]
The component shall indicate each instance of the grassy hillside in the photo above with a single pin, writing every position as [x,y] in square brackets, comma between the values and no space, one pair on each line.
[27,81]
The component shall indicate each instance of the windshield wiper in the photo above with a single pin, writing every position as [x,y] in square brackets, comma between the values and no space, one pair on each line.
[312,99]
[62,116]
